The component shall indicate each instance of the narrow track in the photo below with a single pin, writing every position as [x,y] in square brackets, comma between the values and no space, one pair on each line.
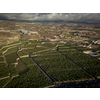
[5,60]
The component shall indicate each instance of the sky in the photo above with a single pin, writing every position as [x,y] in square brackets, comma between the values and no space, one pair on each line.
[77,17]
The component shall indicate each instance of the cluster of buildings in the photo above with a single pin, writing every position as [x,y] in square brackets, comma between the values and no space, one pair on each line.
[28,32]
[96,42]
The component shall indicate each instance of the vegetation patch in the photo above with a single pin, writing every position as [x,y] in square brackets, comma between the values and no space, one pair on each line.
[3,82]
[70,75]
[34,78]
[27,61]
[12,70]
[11,58]
[1,59]
[21,67]
[11,50]
[4,71]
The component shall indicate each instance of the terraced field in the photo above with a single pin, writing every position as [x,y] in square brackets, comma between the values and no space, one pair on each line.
[27,61]
[21,68]
[84,60]
[30,51]
[14,49]
[51,57]
[60,68]
[11,58]
[34,78]
[4,71]
[1,59]
[13,71]
[3,82]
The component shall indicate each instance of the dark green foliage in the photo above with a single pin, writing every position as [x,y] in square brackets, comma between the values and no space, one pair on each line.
[11,58]
[29,45]
[21,67]
[4,49]
[95,70]
[27,61]
[70,75]
[25,52]
[12,70]
[58,66]
[1,54]
[11,50]
[4,71]
[84,60]
[1,59]
[34,78]
[30,51]
[3,82]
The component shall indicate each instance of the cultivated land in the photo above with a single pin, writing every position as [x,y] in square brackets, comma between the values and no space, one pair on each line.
[53,56]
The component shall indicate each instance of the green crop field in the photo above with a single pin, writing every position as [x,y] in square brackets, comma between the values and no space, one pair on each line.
[12,70]
[51,60]
[59,64]
[35,41]
[11,50]
[25,52]
[1,59]
[34,78]
[2,50]
[11,58]
[1,54]
[3,82]
[84,60]
[27,61]
[30,45]
[21,68]
[70,75]
[4,71]
[30,51]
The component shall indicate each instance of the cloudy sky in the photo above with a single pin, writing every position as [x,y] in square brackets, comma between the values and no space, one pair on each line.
[78,17]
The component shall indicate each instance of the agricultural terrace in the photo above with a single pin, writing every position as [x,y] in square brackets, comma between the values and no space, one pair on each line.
[30,51]
[34,78]
[27,61]
[90,63]
[4,71]
[30,45]
[11,50]
[1,59]
[55,63]
[21,67]
[3,82]
[1,54]
[13,71]
[47,55]
[11,58]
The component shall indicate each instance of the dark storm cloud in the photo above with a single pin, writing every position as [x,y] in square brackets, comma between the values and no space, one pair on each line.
[3,17]
[51,16]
